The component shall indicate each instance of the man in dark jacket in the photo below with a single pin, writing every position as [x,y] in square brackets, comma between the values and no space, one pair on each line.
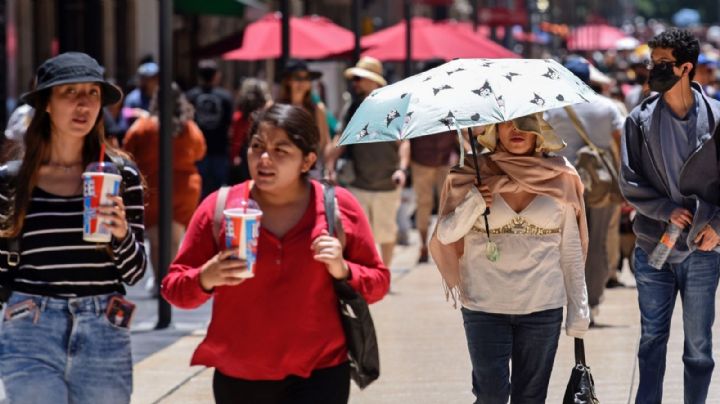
[213,114]
[671,174]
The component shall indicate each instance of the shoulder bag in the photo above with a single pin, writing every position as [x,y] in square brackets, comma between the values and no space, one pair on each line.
[597,169]
[354,313]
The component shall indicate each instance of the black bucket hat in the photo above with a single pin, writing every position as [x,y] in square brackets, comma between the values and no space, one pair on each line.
[71,67]
[294,66]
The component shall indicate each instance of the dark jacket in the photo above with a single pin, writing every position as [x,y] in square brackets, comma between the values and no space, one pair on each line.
[644,182]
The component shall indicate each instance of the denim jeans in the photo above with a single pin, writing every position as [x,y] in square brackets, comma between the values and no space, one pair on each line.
[696,279]
[530,341]
[214,170]
[66,351]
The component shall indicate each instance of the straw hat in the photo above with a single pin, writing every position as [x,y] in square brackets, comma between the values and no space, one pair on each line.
[548,140]
[369,68]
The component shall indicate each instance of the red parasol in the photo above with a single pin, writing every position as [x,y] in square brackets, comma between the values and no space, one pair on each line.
[311,37]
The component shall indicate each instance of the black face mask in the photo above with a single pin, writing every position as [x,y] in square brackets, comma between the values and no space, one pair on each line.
[662,78]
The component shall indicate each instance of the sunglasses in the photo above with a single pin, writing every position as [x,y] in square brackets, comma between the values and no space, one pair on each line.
[667,64]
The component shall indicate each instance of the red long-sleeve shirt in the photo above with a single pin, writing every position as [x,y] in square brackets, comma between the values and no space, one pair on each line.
[285,320]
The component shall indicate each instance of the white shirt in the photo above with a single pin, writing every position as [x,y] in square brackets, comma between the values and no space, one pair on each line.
[541,265]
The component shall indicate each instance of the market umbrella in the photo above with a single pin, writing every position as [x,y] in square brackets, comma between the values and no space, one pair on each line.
[464,93]
[311,37]
[594,37]
[431,40]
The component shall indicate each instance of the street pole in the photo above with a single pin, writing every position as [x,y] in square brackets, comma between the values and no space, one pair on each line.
[355,22]
[285,37]
[475,16]
[3,64]
[165,156]
[408,38]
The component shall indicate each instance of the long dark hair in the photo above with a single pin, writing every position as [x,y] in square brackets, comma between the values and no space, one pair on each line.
[37,152]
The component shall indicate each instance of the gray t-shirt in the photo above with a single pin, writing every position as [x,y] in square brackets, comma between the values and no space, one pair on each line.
[600,119]
[678,138]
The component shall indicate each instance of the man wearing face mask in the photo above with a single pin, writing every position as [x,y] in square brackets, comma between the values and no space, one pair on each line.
[671,174]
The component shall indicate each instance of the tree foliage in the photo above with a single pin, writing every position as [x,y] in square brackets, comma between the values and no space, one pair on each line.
[666,8]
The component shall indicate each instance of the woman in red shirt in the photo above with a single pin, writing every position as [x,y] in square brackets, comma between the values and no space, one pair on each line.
[277,337]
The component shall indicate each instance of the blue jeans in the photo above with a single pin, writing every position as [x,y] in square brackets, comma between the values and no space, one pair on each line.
[214,171]
[696,279]
[66,351]
[529,340]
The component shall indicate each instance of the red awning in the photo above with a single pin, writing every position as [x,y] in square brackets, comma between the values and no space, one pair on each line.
[431,41]
[311,37]
[594,37]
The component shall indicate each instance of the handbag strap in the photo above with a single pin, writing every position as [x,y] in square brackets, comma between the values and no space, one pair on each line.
[580,128]
[329,201]
[579,352]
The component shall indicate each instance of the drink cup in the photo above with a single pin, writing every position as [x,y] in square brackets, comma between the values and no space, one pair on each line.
[242,229]
[99,180]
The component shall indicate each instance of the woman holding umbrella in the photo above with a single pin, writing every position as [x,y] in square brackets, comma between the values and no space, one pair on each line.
[515,268]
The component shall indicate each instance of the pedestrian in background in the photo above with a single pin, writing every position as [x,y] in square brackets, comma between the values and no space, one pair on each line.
[277,337]
[671,175]
[137,101]
[142,142]
[63,340]
[296,89]
[513,282]
[381,169]
[213,114]
[253,96]
[430,161]
[602,122]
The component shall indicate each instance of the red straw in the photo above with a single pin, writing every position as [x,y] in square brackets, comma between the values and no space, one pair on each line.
[102,152]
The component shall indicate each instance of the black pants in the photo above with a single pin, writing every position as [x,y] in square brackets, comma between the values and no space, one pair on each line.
[324,386]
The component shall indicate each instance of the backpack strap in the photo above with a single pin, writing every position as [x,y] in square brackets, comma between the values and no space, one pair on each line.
[581,129]
[9,172]
[120,163]
[219,208]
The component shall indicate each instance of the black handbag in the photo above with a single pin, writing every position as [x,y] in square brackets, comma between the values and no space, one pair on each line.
[354,315]
[581,387]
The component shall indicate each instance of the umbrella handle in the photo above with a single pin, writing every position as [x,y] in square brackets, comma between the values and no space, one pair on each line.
[473,147]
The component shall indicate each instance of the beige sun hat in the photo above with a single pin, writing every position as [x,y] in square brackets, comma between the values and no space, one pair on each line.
[369,68]
[548,140]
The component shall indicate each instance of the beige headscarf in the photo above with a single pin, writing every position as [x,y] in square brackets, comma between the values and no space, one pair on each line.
[503,172]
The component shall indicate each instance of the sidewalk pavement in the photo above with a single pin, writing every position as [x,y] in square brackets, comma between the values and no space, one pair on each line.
[424,354]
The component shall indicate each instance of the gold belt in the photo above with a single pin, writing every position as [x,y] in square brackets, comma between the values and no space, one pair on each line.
[519,225]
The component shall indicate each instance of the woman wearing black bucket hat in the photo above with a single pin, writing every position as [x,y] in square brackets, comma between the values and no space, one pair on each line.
[65,335]
[296,89]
